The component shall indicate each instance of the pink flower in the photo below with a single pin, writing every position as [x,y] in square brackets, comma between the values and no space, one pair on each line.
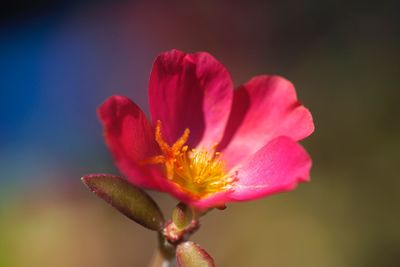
[206,143]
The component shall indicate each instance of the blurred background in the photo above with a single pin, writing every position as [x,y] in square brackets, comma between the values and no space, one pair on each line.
[60,59]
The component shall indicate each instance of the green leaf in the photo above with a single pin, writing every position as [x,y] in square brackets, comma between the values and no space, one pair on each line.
[130,200]
[189,254]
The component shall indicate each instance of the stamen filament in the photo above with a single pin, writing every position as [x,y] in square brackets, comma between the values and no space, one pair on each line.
[197,171]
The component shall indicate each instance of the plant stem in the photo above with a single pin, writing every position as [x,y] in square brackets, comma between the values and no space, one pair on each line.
[159,260]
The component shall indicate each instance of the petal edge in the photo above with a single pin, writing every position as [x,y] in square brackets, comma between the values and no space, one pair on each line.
[277,167]
[192,91]
[263,108]
[129,136]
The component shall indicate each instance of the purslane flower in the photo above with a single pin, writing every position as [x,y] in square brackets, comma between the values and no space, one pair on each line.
[206,143]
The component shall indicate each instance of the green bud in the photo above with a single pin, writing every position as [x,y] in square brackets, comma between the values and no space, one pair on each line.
[182,216]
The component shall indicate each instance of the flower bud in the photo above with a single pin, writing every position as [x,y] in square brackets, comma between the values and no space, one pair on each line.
[182,216]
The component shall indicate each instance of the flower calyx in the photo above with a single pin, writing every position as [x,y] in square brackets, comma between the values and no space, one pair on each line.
[176,235]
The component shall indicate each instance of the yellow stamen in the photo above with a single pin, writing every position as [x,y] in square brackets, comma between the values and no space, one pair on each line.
[196,171]
[159,139]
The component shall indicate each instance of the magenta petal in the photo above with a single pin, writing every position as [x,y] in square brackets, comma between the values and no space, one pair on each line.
[216,200]
[211,201]
[263,108]
[190,91]
[277,167]
[130,138]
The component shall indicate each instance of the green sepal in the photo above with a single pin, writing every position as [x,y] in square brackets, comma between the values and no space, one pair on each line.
[189,254]
[130,200]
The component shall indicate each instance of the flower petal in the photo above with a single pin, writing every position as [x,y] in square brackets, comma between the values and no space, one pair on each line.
[263,108]
[190,91]
[277,167]
[130,138]
[215,200]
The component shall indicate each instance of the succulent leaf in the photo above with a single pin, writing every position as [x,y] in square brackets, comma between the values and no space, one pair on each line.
[189,254]
[130,200]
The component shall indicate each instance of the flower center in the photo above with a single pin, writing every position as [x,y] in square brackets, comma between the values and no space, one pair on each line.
[196,171]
